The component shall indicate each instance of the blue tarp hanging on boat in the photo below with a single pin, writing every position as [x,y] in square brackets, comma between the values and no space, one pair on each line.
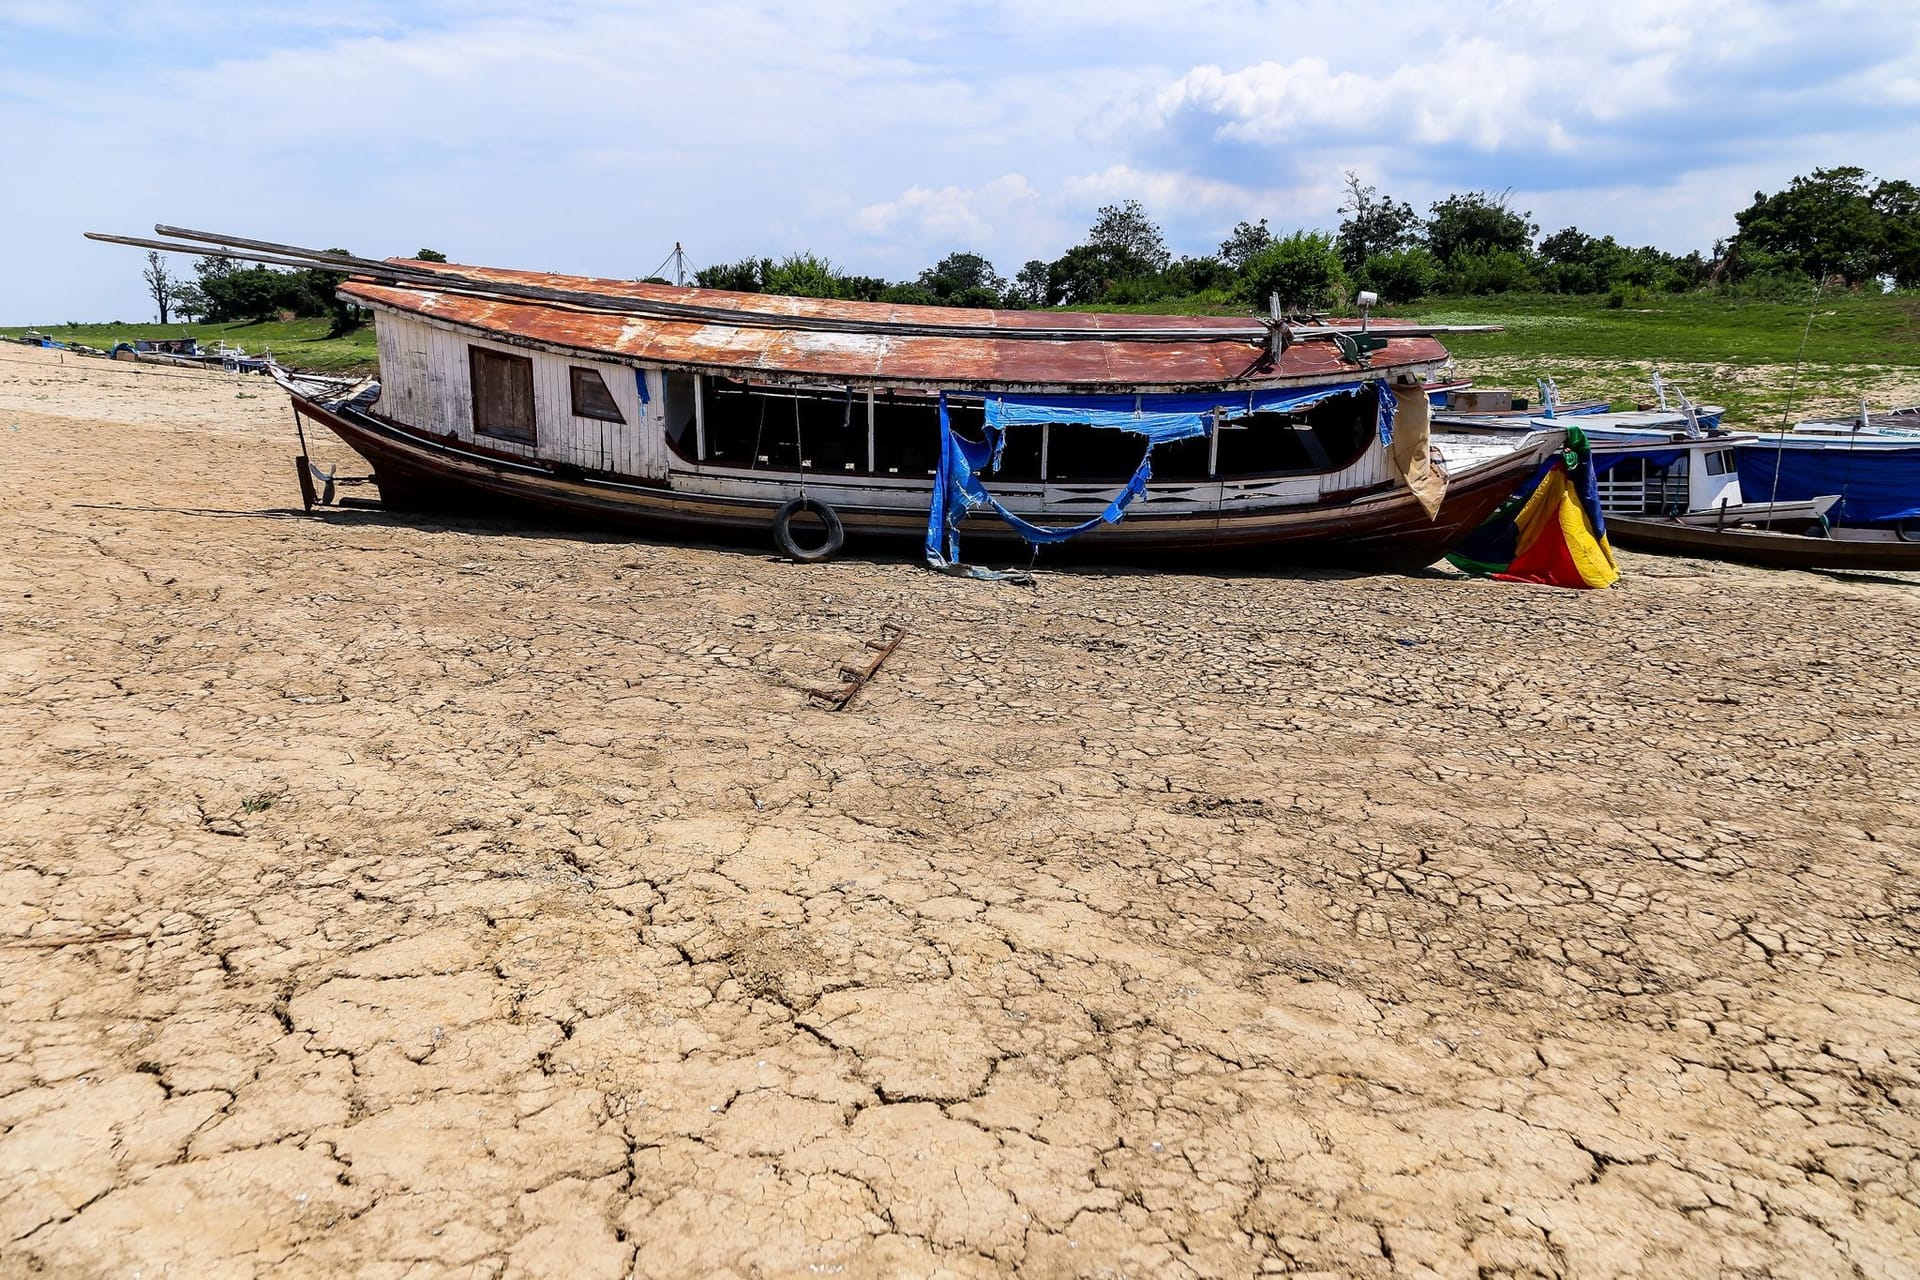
[958,488]
[1605,462]
[1876,485]
[1159,418]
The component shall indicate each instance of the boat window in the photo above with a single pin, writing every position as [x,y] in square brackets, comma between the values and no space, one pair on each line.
[679,409]
[906,431]
[502,395]
[1716,463]
[591,399]
[1020,455]
[1080,453]
[1329,436]
[784,428]
[1182,460]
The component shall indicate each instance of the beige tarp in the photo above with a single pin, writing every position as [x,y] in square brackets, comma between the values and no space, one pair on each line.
[1412,426]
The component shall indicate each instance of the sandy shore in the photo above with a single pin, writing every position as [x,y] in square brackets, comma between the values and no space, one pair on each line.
[395,897]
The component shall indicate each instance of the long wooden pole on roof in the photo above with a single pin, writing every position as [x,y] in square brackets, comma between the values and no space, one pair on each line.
[448,280]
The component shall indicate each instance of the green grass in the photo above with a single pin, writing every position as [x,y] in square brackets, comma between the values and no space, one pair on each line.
[297,344]
[1742,354]
[1735,352]
[1686,328]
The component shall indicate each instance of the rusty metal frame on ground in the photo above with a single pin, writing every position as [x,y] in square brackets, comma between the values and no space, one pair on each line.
[854,679]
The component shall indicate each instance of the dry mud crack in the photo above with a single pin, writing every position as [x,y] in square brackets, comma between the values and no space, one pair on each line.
[394,897]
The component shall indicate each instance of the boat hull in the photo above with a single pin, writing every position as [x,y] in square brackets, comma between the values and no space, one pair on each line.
[1762,547]
[1384,529]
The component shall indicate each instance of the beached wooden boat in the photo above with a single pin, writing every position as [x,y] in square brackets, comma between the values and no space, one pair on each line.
[1762,546]
[701,413]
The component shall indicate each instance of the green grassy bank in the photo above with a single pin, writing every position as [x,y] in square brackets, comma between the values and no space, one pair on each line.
[297,344]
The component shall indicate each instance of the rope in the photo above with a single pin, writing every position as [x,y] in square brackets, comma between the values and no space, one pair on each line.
[799,449]
[663,263]
[758,431]
[1793,389]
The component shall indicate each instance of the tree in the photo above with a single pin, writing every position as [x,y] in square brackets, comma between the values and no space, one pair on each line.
[1131,240]
[963,280]
[1821,225]
[1480,224]
[1577,262]
[1122,244]
[741,277]
[1079,276]
[317,293]
[1245,240]
[1029,288]
[1898,204]
[1303,269]
[188,301]
[159,283]
[429,255]
[1187,276]
[861,288]
[1373,224]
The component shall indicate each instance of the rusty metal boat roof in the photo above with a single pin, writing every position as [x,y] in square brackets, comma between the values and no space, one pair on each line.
[767,337]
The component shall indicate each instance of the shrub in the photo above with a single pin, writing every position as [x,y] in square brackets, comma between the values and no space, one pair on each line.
[1303,269]
[1400,275]
[1500,271]
[1136,289]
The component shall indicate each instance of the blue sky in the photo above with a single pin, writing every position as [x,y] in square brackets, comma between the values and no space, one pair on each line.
[588,136]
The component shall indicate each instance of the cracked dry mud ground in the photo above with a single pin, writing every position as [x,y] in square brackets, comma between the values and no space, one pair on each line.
[398,897]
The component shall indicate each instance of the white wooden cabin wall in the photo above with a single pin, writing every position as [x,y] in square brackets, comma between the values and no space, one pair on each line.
[425,383]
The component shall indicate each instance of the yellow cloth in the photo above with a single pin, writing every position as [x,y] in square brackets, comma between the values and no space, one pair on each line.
[1555,508]
[1409,453]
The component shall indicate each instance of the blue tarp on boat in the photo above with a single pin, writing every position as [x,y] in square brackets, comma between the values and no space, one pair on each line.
[958,487]
[1605,462]
[1877,485]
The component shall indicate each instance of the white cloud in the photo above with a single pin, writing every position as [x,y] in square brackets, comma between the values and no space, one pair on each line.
[590,134]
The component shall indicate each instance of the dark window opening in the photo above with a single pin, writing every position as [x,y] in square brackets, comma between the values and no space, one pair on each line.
[679,393]
[1329,436]
[502,395]
[1077,453]
[1182,461]
[591,398]
[906,431]
[1020,456]
[785,428]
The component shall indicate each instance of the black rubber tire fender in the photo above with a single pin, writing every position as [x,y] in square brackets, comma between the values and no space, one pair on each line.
[783,530]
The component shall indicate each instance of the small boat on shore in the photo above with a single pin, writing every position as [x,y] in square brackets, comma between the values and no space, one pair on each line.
[1595,417]
[1871,462]
[1766,547]
[704,413]
[1468,403]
